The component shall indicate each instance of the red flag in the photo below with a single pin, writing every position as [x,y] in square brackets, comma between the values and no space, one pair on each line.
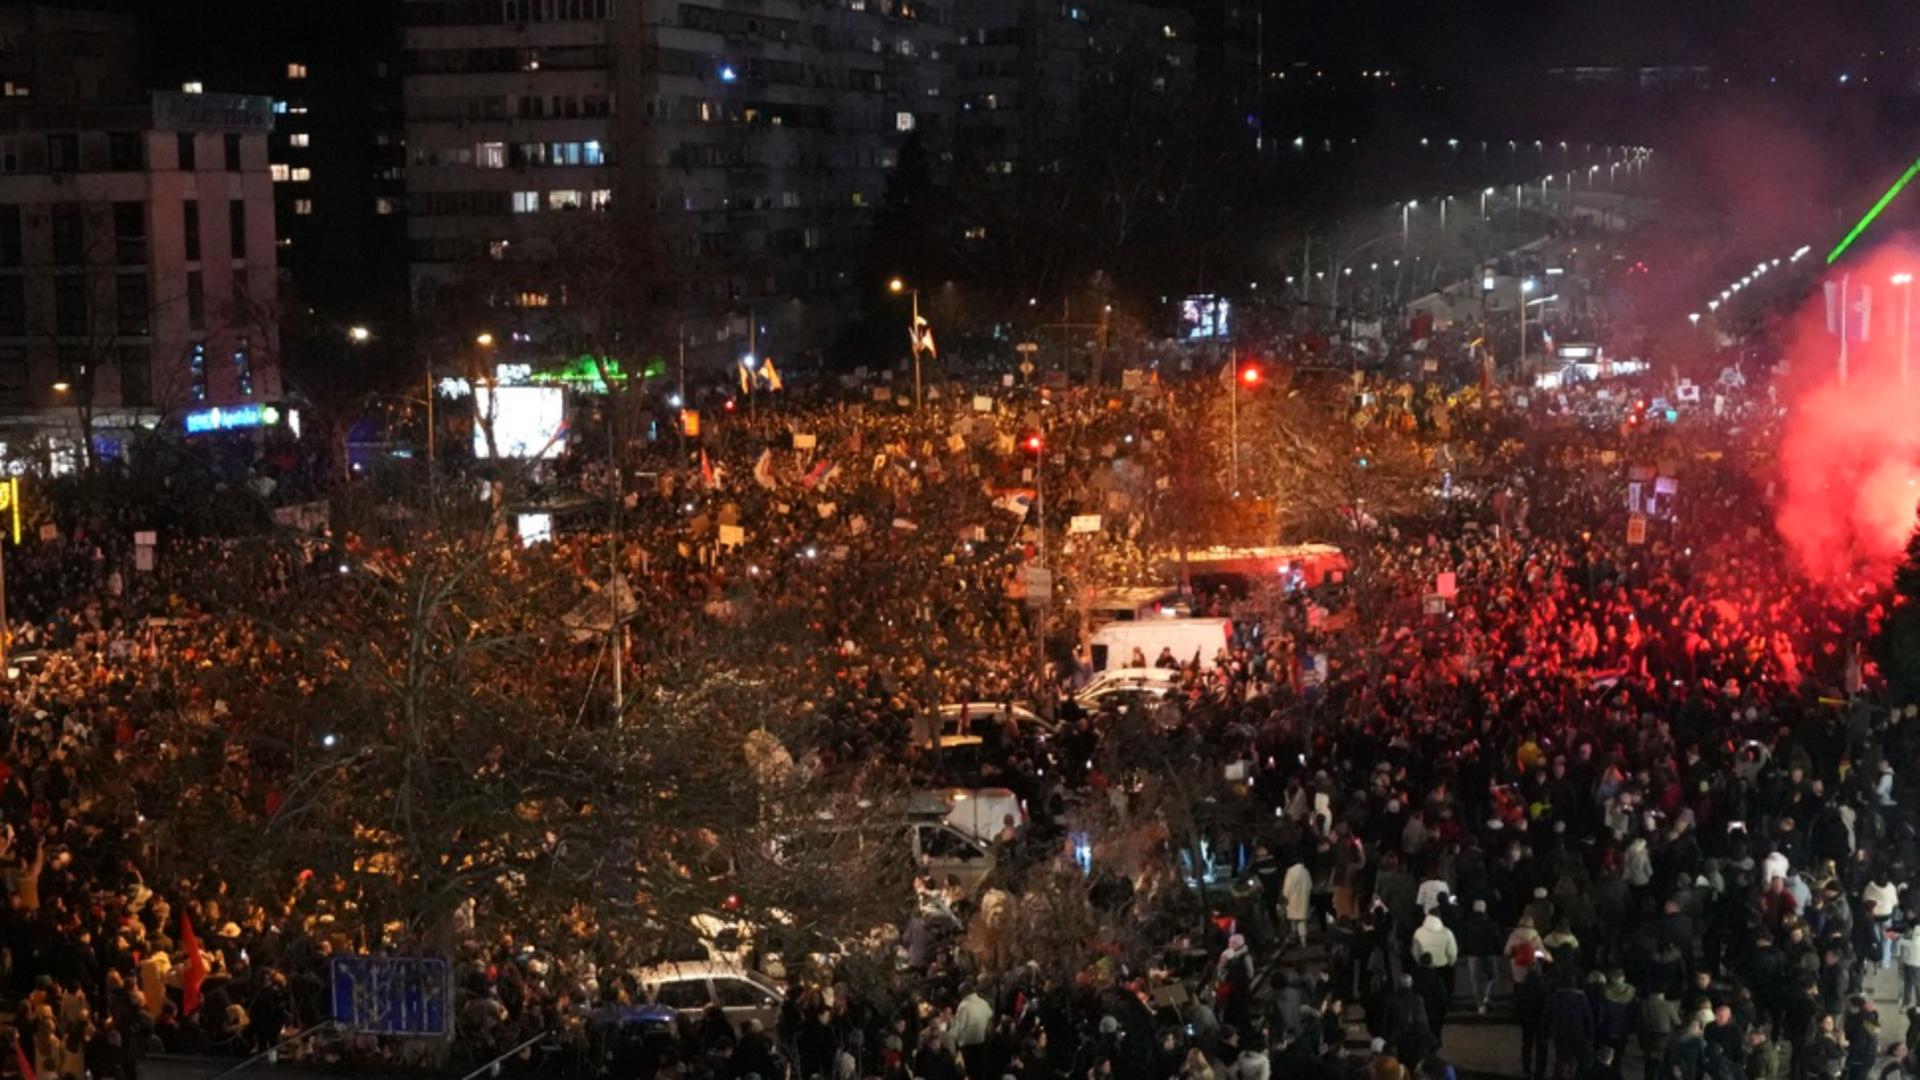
[196,971]
[706,470]
[20,1055]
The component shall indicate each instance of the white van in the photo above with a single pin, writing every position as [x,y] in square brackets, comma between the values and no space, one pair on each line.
[1114,643]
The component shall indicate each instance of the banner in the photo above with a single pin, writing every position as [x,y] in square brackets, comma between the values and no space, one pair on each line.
[1084,523]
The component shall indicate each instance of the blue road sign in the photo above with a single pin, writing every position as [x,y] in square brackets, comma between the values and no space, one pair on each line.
[393,995]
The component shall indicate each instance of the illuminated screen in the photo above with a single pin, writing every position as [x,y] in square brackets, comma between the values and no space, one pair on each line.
[1203,317]
[528,421]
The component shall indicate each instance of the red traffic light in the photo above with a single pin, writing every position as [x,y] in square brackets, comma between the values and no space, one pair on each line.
[1034,443]
[1250,375]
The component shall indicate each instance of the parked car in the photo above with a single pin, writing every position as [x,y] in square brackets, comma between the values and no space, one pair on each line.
[689,987]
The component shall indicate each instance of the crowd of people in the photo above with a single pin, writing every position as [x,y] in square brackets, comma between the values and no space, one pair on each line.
[1621,765]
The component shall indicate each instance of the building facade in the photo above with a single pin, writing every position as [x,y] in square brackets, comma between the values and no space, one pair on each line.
[137,262]
[746,147]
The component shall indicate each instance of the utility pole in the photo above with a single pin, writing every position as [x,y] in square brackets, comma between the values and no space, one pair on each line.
[1233,419]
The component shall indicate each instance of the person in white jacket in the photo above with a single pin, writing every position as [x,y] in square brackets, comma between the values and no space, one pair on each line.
[1907,952]
[1296,889]
[1435,943]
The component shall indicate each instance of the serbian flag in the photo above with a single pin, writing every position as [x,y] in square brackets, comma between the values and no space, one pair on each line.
[706,471]
[763,469]
[196,970]
[821,472]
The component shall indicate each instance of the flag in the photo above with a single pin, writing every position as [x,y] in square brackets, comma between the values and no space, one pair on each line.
[196,970]
[1849,309]
[921,336]
[822,471]
[772,376]
[655,368]
[706,471]
[20,1056]
[1016,502]
[746,379]
[763,469]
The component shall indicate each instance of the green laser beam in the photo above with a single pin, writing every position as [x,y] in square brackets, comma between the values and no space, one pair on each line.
[1905,178]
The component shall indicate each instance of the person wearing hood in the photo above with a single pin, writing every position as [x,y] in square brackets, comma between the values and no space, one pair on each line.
[1434,953]
[1568,1018]
[1616,1013]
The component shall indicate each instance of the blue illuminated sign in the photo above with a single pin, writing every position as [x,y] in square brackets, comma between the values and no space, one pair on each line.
[237,418]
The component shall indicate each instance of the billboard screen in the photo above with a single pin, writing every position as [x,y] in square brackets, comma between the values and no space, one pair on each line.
[527,421]
[1203,318]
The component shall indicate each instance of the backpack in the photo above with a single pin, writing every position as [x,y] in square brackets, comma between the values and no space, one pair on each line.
[1524,954]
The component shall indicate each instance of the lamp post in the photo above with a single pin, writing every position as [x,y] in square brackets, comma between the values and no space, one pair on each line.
[1484,196]
[1406,221]
[1250,376]
[896,287]
[1905,281]
[1526,288]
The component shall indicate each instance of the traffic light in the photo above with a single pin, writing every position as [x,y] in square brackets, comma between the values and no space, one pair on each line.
[1250,375]
[1034,443]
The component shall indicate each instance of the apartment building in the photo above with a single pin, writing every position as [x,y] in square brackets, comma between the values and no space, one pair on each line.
[748,144]
[137,269]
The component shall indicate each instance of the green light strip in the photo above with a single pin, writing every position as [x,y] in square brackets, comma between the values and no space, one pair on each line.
[1912,171]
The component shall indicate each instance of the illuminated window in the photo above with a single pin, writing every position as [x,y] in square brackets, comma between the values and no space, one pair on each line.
[384,204]
[299,138]
[243,367]
[303,207]
[497,249]
[564,200]
[533,299]
[296,71]
[193,88]
[526,202]
[197,371]
[490,155]
[300,174]
[903,121]
[859,198]
[279,172]
[600,199]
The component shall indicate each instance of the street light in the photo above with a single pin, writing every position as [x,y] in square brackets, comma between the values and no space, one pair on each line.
[1905,281]
[1526,287]
[1249,375]
[1406,220]
[358,334]
[896,287]
[484,340]
[1484,196]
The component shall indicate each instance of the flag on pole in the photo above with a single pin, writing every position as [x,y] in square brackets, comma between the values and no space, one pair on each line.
[1849,309]
[772,376]
[706,471]
[763,469]
[196,970]
[1016,502]
[746,379]
[921,336]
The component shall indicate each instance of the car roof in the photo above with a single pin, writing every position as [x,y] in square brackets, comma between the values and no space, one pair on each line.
[984,707]
[693,969]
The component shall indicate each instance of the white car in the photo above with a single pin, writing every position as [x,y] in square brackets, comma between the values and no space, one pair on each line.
[1127,686]
[688,988]
[952,717]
